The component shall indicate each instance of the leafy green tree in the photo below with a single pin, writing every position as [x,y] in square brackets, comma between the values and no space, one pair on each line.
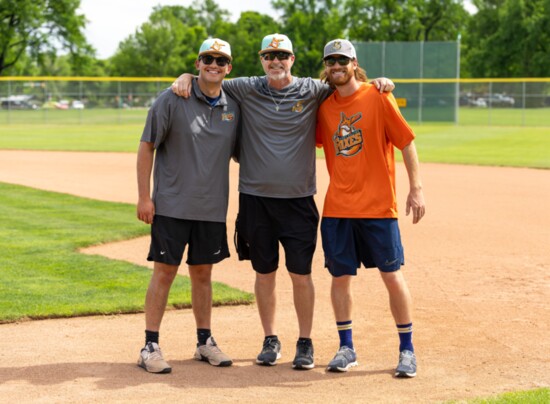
[40,28]
[509,38]
[163,46]
[245,37]
[405,20]
[309,24]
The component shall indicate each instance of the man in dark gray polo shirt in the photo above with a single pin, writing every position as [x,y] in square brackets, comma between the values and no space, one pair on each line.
[191,142]
[277,184]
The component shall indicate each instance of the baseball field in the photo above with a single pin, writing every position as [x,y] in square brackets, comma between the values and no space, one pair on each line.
[477,266]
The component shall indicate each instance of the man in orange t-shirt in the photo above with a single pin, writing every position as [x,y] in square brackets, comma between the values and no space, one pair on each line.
[358,128]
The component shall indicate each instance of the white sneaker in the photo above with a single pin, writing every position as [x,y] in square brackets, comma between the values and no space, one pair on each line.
[151,359]
[212,354]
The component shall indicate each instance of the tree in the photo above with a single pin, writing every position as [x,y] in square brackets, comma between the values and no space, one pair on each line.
[164,46]
[310,24]
[245,37]
[405,20]
[509,38]
[41,27]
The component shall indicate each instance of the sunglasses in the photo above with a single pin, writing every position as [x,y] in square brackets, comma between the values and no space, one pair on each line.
[341,60]
[220,61]
[278,55]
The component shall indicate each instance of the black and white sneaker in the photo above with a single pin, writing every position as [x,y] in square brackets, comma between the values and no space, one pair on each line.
[271,352]
[304,355]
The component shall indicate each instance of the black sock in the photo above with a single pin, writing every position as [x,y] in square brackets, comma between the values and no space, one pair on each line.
[202,335]
[151,336]
[271,336]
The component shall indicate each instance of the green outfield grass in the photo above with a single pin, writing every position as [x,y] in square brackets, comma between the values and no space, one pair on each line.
[520,397]
[516,146]
[43,274]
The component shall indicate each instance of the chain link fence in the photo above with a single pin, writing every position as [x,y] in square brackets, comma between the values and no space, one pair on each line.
[98,100]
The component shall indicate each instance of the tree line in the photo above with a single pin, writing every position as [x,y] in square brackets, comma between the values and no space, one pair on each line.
[504,38]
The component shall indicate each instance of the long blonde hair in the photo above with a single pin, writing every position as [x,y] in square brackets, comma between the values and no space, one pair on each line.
[360,75]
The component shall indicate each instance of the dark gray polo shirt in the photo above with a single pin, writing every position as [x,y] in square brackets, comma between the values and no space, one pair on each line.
[194,143]
[277,153]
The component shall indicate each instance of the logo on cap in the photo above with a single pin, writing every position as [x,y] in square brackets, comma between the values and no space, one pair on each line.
[216,46]
[275,43]
[337,45]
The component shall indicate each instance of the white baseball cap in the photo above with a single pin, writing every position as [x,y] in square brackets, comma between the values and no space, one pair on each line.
[216,46]
[276,43]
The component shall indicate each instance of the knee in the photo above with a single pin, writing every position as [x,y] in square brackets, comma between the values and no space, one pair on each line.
[394,280]
[165,276]
[302,281]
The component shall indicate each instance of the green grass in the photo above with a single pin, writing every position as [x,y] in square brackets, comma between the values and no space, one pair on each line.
[520,397]
[44,276]
[484,145]
[517,146]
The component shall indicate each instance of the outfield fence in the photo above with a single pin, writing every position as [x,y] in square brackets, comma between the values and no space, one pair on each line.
[111,100]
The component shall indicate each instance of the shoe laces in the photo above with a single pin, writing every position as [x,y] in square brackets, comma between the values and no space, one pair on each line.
[214,346]
[303,347]
[154,353]
[270,344]
[406,358]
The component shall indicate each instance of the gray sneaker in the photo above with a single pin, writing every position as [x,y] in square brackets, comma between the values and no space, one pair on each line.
[150,359]
[304,356]
[407,364]
[271,352]
[344,359]
[212,354]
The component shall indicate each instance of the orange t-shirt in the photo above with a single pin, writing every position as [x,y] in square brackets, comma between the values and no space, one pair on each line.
[358,133]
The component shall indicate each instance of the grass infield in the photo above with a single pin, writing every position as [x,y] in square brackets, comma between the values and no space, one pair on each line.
[43,274]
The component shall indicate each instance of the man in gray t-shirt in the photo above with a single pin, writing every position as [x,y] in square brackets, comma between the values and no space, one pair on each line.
[191,142]
[277,184]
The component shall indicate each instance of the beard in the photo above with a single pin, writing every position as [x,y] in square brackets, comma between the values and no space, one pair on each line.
[343,79]
[277,76]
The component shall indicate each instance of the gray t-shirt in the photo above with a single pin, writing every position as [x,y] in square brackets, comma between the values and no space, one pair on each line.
[277,147]
[194,143]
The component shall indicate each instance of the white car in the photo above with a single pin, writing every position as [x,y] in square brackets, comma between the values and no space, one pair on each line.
[77,104]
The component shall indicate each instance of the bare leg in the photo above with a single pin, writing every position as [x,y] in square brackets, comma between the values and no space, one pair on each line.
[304,302]
[400,298]
[266,299]
[342,298]
[157,294]
[201,294]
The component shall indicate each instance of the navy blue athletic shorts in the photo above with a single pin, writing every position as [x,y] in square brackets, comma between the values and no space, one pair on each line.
[348,243]
[169,237]
[264,222]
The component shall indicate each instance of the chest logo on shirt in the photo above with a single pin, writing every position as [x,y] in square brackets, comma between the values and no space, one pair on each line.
[348,140]
[228,116]
[298,107]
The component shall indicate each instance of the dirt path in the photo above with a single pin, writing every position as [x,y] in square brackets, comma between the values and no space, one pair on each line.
[478,268]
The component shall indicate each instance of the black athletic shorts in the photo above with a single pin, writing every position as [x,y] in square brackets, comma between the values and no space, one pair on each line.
[169,236]
[264,222]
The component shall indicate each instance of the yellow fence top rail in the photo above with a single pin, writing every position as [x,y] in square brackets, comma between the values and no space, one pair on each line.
[170,79]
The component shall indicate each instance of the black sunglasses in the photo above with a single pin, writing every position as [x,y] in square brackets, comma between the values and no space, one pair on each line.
[342,60]
[220,60]
[278,55]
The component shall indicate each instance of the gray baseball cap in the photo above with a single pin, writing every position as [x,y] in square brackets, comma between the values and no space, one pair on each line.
[341,47]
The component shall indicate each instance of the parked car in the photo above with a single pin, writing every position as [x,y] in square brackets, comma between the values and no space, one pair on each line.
[77,104]
[18,102]
[499,100]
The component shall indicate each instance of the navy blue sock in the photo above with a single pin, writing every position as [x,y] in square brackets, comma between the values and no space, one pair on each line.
[151,336]
[344,331]
[202,335]
[405,336]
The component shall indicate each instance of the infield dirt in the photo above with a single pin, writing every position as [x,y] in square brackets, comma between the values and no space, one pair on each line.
[477,266]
